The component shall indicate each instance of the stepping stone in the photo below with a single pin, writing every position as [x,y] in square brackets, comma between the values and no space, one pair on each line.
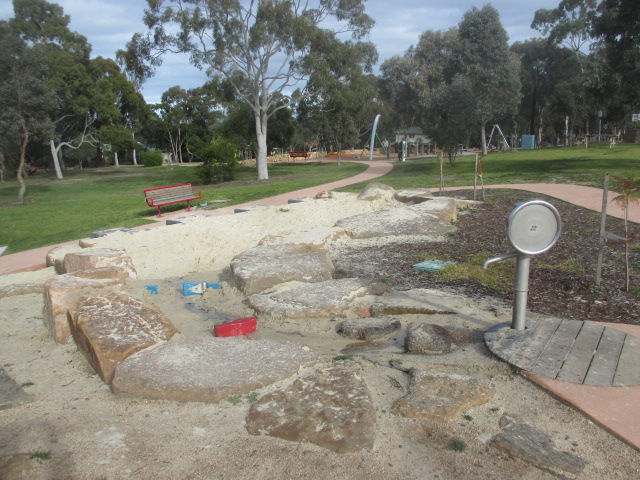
[209,369]
[98,258]
[410,302]
[104,233]
[526,443]
[368,329]
[264,267]
[399,221]
[11,394]
[110,328]
[331,407]
[55,257]
[428,339]
[322,299]
[441,396]
[63,292]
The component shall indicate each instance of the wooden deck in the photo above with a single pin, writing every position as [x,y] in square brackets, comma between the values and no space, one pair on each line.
[571,351]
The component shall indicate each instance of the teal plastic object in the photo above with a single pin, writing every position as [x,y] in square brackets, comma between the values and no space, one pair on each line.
[433,265]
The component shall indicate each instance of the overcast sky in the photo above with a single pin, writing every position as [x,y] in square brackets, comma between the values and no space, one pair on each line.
[109,25]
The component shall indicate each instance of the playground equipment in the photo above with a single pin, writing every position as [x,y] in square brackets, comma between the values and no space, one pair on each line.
[504,139]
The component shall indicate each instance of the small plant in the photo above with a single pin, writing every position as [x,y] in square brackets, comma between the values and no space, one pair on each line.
[396,361]
[342,358]
[234,399]
[342,271]
[284,210]
[252,397]
[457,445]
[40,456]
[383,280]
[27,384]
[468,418]
[629,188]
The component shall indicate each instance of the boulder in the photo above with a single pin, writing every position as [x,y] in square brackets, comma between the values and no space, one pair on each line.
[399,221]
[322,299]
[98,258]
[64,291]
[376,191]
[209,369]
[441,396]
[331,407]
[111,327]
[442,207]
[263,267]
[368,329]
[55,257]
[414,196]
[428,339]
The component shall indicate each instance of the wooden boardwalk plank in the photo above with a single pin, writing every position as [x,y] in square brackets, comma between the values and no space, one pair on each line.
[605,361]
[532,342]
[579,359]
[553,356]
[628,371]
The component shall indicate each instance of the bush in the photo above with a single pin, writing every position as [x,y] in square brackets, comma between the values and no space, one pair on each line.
[151,158]
[219,160]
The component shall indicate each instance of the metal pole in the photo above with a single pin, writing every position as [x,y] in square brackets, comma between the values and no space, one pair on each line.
[520,293]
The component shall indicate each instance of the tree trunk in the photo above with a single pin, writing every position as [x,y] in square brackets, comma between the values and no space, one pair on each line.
[2,166]
[566,131]
[261,136]
[54,157]
[23,157]
[115,159]
[483,139]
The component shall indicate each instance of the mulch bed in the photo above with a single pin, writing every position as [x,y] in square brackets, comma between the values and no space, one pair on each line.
[554,289]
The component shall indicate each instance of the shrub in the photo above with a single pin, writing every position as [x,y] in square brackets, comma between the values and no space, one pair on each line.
[219,160]
[151,158]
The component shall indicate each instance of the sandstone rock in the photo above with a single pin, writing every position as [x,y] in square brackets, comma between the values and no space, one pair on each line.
[98,258]
[264,267]
[21,289]
[34,277]
[326,194]
[11,394]
[441,396]
[406,303]
[399,221]
[428,339]
[331,408]
[528,444]
[64,291]
[318,237]
[416,195]
[376,191]
[111,327]
[368,329]
[55,257]
[209,369]
[444,208]
[322,299]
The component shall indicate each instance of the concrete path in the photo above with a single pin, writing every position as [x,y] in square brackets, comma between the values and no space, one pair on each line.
[614,408]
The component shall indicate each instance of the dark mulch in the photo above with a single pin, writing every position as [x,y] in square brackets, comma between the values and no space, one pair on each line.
[563,292]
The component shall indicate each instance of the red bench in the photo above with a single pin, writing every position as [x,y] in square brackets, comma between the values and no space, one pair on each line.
[161,196]
[299,154]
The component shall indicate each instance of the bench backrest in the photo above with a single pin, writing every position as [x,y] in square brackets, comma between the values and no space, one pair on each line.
[160,194]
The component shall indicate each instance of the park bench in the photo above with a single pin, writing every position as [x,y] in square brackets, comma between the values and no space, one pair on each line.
[299,154]
[161,196]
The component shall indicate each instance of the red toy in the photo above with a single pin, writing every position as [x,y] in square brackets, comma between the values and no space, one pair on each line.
[240,326]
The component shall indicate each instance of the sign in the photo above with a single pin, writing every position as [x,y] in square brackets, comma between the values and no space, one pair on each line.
[635,117]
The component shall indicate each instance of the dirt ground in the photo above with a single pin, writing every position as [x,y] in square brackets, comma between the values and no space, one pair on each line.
[75,428]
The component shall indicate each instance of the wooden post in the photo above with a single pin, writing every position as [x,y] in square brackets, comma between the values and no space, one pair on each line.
[441,158]
[475,177]
[603,221]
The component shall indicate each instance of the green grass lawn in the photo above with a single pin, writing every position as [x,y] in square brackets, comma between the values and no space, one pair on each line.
[96,199]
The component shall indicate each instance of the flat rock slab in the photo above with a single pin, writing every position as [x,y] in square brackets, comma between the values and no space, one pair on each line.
[263,267]
[331,407]
[55,257]
[98,258]
[368,329]
[110,328]
[526,443]
[376,191]
[441,396]
[399,221]
[322,299]
[410,302]
[428,339]
[11,394]
[63,292]
[21,289]
[316,237]
[104,233]
[209,369]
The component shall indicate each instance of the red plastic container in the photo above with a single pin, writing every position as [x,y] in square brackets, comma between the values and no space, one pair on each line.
[240,326]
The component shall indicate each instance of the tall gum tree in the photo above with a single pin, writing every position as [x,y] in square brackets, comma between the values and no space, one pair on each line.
[266,41]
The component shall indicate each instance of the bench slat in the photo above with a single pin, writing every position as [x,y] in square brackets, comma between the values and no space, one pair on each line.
[157,197]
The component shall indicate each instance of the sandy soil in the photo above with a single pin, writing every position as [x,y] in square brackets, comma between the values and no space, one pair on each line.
[82,431]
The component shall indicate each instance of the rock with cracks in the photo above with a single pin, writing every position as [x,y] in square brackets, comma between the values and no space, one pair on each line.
[110,328]
[399,221]
[99,258]
[331,407]
[428,339]
[263,267]
[323,299]
[209,369]
[368,329]
[441,396]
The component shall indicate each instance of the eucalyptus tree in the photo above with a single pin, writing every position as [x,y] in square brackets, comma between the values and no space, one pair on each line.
[267,41]
[482,55]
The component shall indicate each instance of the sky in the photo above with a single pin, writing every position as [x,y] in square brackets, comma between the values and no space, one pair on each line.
[109,25]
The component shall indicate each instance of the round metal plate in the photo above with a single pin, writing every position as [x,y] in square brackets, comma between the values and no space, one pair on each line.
[534,227]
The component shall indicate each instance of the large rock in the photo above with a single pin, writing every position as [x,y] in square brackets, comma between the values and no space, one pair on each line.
[534,447]
[264,267]
[428,339]
[376,191]
[110,328]
[55,257]
[323,299]
[64,291]
[409,302]
[368,329]
[414,196]
[209,369]
[98,258]
[441,396]
[318,237]
[398,221]
[331,408]
[442,207]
